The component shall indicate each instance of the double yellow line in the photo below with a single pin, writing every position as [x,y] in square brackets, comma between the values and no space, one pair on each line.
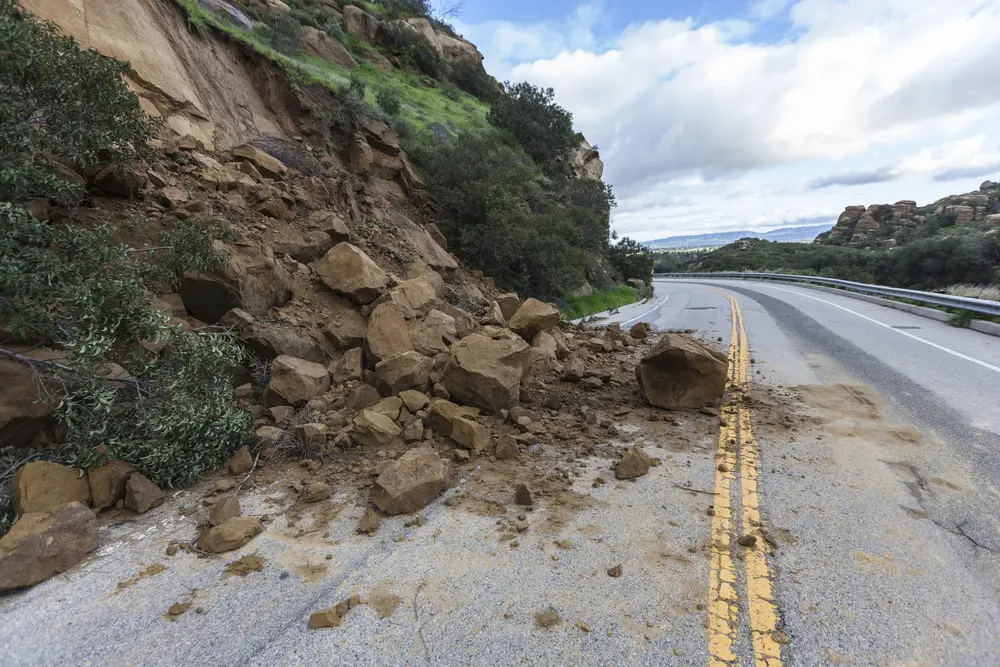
[737,460]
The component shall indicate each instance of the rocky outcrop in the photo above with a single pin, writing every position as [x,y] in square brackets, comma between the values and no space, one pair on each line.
[413,480]
[585,163]
[47,543]
[360,24]
[208,89]
[682,372]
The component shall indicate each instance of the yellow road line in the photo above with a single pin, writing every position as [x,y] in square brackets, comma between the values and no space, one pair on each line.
[736,433]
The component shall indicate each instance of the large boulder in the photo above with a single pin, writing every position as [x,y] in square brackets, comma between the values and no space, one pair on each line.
[267,165]
[682,372]
[350,366]
[486,373]
[409,370]
[252,280]
[304,248]
[40,486]
[534,316]
[434,334]
[43,544]
[295,381]
[419,294]
[320,45]
[423,243]
[412,481]
[107,483]
[465,323]
[346,269]
[585,162]
[387,333]
[230,534]
[373,429]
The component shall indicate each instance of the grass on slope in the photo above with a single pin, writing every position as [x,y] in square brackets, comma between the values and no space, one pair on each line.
[425,102]
[598,302]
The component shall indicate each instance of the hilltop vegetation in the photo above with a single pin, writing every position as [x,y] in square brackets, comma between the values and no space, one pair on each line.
[500,160]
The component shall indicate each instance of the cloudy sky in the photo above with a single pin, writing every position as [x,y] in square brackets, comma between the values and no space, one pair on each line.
[720,115]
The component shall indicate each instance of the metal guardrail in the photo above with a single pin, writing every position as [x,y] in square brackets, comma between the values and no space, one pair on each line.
[931,298]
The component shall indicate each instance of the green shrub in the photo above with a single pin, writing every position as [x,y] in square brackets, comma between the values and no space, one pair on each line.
[472,77]
[541,126]
[172,416]
[59,103]
[630,259]
[285,35]
[389,101]
[598,302]
[451,91]
[357,86]
[412,47]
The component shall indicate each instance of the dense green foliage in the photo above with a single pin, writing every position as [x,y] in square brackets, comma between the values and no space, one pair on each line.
[631,260]
[413,49]
[59,104]
[598,302]
[928,264]
[155,395]
[541,126]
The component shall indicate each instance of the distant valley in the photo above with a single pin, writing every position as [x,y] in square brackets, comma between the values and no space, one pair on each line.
[804,234]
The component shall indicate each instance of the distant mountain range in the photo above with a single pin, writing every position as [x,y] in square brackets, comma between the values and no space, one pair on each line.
[788,235]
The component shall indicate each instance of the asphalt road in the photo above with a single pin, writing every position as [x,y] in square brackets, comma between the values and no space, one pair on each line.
[875,474]
[887,494]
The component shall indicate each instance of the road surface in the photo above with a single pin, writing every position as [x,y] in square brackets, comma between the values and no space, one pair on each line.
[861,445]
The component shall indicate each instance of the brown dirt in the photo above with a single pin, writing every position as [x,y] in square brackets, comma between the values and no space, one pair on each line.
[382,600]
[547,619]
[244,566]
[151,571]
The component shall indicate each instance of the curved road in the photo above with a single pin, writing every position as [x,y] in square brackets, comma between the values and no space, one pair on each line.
[885,495]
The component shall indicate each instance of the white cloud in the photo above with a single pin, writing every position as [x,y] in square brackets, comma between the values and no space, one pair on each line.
[898,90]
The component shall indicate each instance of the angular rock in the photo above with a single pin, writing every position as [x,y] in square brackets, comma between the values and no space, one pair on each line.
[241,462]
[346,269]
[227,508]
[349,367]
[639,330]
[359,23]
[509,304]
[434,334]
[429,251]
[534,316]
[419,294]
[295,381]
[320,45]
[237,318]
[507,448]
[362,397]
[522,496]
[682,372]
[327,618]
[332,225]
[43,544]
[346,327]
[267,165]
[390,407]
[486,373]
[413,431]
[443,414]
[494,316]
[230,534]
[546,344]
[270,341]
[469,434]
[409,370]
[141,495]
[107,483]
[316,492]
[372,429]
[311,434]
[414,400]
[387,333]
[40,486]
[465,324]
[24,419]
[412,481]
[634,463]
[306,247]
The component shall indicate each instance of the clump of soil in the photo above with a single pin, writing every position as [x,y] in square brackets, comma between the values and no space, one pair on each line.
[547,619]
[244,566]
[383,601]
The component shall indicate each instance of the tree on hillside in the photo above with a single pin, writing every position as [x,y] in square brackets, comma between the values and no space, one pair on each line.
[541,126]
[631,260]
[60,104]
